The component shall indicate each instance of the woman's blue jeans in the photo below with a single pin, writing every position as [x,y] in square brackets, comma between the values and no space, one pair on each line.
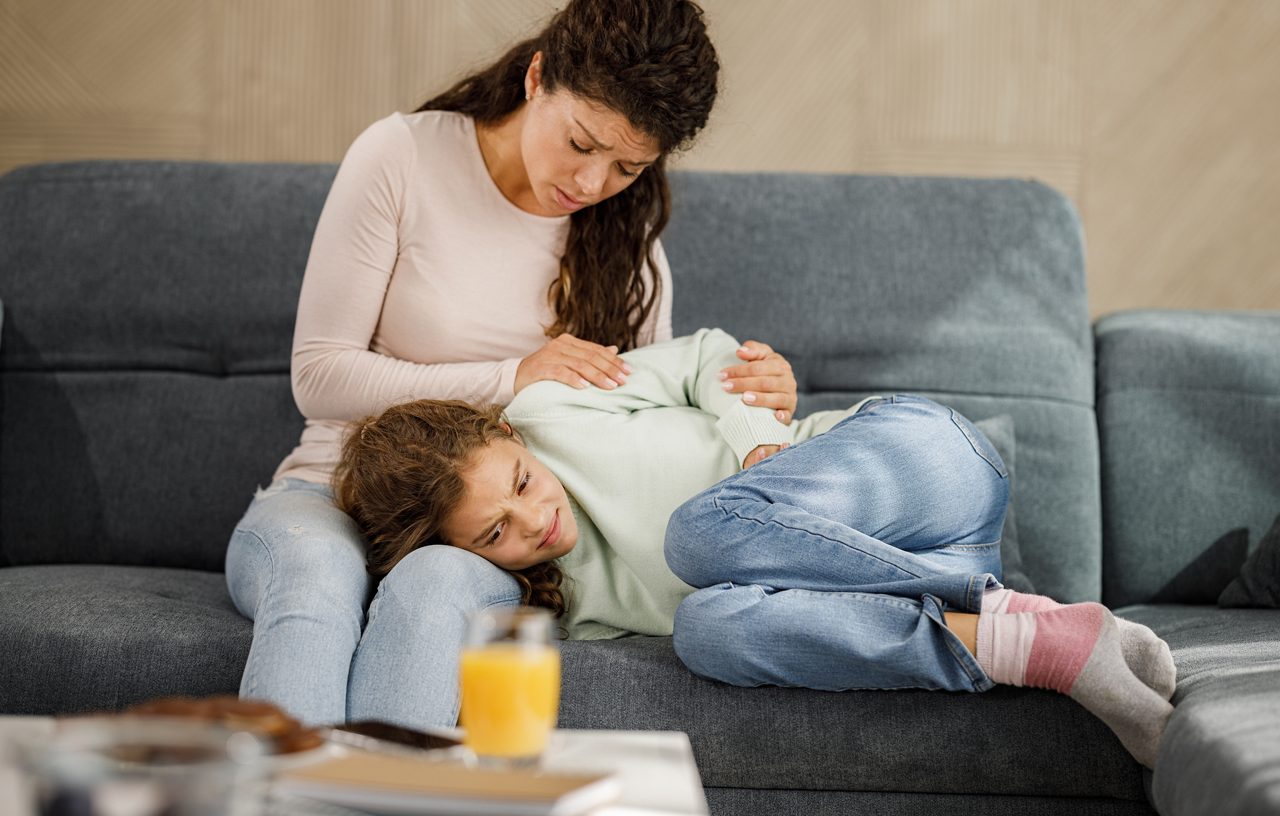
[296,566]
[828,565]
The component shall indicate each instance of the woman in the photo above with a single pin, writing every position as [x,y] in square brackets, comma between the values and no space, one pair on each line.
[522,204]
[864,555]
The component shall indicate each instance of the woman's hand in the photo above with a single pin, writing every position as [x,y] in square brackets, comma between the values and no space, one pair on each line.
[573,362]
[765,379]
[762,452]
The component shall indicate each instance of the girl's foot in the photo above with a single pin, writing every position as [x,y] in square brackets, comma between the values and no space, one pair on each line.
[1147,655]
[1076,650]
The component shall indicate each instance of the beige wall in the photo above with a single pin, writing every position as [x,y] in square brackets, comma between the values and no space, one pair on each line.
[1160,119]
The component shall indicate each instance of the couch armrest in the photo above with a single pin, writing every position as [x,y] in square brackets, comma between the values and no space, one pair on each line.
[1189,423]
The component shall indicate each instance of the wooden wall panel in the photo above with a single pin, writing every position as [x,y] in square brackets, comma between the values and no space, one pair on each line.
[1156,117]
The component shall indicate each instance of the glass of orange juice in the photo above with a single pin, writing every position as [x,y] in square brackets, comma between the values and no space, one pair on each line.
[510,684]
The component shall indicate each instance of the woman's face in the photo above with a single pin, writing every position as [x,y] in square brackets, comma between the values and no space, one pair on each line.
[514,512]
[577,152]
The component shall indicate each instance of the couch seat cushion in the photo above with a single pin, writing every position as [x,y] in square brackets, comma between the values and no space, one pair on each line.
[1007,741]
[94,637]
[1221,752]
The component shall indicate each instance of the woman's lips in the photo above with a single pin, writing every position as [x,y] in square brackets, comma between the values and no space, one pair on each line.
[567,201]
[553,535]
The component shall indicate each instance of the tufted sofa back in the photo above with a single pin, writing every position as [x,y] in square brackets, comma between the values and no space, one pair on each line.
[144,388]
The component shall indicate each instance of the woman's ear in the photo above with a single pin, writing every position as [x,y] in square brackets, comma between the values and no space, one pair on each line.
[533,76]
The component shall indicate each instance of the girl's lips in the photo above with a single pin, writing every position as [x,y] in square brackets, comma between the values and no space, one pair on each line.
[553,535]
[567,201]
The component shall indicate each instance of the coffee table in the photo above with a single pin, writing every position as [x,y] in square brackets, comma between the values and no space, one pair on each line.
[656,768]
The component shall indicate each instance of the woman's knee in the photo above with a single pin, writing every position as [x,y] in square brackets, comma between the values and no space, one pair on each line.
[441,577]
[308,559]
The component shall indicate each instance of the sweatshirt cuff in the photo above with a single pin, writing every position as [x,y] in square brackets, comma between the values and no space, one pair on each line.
[744,427]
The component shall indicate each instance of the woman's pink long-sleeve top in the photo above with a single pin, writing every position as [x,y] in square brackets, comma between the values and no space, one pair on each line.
[423,281]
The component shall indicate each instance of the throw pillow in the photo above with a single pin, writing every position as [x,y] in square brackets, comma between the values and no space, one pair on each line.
[999,429]
[1258,583]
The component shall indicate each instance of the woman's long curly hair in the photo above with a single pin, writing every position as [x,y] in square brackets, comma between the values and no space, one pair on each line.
[652,62]
[400,476]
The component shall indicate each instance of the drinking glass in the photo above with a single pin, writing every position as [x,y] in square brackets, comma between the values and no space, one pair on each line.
[510,684]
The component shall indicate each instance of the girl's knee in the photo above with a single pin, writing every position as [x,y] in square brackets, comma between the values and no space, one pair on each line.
[709,636]
[688,539]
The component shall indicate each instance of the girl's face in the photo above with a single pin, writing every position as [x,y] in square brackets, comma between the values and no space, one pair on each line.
[514,512]
[577,152]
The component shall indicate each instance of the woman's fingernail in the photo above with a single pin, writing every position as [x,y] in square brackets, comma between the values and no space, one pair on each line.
[728,386]
[781,416]
[724,375]
[583,384]
[608,383]
[626,368]
[748,397]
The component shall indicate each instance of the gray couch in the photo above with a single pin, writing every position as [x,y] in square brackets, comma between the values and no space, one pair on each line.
[144,393]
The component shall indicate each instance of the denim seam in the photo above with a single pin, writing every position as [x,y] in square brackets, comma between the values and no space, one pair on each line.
[715,500]
[1003,473]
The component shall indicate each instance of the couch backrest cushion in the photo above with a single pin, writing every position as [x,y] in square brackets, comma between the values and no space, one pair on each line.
[150,311]
[968,291]
[1189,416]
[144,388]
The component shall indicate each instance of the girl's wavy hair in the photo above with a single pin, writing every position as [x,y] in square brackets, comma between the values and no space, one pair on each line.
[400,476]
[652,62]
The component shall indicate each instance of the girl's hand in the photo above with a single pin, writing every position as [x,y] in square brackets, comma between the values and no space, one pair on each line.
[762,452]
[573,362]
[765,379]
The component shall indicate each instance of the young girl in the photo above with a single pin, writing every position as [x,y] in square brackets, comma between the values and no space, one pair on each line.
[503,234]
[854,549]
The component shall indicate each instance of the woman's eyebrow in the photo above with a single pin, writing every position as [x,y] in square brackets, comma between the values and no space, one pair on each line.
[602,146]
[515,485]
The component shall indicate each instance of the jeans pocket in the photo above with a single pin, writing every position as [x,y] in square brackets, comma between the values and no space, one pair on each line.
[980,444]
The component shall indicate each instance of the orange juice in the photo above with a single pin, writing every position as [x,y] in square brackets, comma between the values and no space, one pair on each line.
[510,694]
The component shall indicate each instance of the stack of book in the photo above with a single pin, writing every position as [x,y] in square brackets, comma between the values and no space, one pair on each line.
[398,784]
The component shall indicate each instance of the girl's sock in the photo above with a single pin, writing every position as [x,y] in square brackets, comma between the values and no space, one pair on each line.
[1075,650]
[1147,655]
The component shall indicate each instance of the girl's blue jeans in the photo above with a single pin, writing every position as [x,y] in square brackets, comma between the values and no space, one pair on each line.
[829,564]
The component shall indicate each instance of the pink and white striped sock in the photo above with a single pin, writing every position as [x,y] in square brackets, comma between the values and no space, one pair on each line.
[1075,650]
[1147,655]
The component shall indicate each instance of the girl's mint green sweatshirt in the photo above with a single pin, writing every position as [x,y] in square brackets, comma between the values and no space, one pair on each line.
[629,457]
